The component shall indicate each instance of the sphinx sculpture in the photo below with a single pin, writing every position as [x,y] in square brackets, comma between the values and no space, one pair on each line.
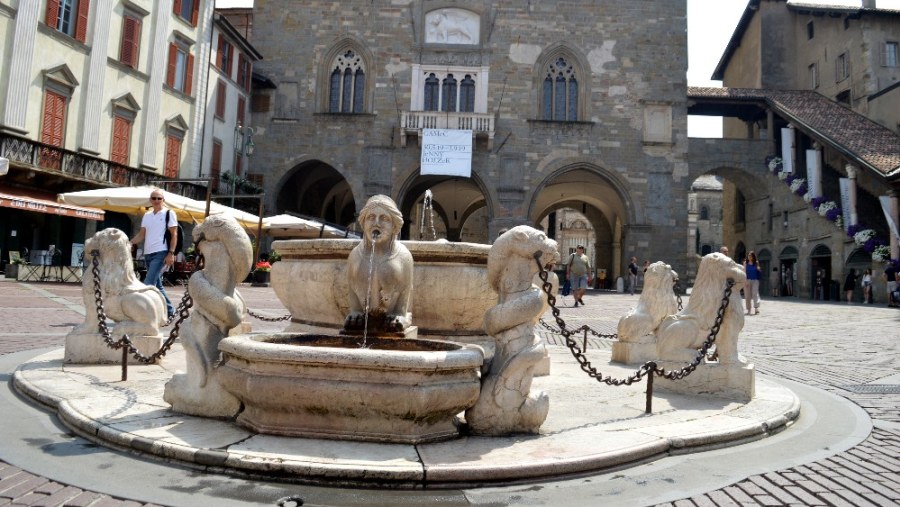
[636,342]
[138,310]
[218,308]
[380,272]
[506,404]
[679,336]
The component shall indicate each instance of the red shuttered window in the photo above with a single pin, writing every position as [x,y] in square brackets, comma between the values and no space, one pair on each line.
[242,106]
[173,156]
[215,166]
[69,17]
[121,140]
[220,99]
[53,127]
[130,48]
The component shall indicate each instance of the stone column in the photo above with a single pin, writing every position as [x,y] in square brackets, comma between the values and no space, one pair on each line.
[158,56]
[893,207]
[770,127]
[814,170]
[201,78]
[93,86]
[19,72]
[851,195]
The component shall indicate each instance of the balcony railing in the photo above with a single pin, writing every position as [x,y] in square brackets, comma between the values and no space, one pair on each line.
[52,159]
[481,124]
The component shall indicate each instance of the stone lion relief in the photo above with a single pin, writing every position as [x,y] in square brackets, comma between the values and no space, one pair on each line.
[452,26]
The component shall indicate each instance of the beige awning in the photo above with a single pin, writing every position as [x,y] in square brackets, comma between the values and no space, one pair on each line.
[28,200]
[136,201]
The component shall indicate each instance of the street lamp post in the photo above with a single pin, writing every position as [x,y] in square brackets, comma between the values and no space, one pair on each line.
[243,145]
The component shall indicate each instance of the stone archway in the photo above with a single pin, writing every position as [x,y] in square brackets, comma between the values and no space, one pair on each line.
[461,210]
[314,188]
[820,273]
[588,190]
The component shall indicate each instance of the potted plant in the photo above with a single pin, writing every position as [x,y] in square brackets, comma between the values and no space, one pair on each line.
[12,269]
[261,273]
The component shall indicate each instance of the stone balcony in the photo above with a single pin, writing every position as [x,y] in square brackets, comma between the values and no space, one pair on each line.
[412,123]
[29,155]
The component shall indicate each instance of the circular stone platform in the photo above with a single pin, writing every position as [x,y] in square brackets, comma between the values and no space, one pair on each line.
[590,427]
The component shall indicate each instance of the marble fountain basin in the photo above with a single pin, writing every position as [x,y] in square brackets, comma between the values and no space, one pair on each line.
[326,386]
[450,289]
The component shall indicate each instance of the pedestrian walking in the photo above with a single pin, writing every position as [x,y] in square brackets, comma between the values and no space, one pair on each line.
[157,254]
[751,290]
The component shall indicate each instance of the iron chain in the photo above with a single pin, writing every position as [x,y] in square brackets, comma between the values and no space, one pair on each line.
[646,368]
[182,312]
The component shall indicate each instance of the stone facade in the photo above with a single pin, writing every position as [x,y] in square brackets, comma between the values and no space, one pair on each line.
[619,145]
[848,55]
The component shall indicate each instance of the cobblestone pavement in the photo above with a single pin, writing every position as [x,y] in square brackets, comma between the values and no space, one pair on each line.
[849,350]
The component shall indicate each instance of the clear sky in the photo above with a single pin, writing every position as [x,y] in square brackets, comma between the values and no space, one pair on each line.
[710,25]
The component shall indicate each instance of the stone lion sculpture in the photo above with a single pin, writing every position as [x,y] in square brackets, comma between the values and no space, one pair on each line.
[657,302]
[380,271]
[137,309]
[506,404]
[680,335]
[218,308]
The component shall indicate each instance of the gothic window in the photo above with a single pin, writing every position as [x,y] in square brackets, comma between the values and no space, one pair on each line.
[448,94]
[431,93]
[347,84]
[704,213]
[467,94]
[560,92]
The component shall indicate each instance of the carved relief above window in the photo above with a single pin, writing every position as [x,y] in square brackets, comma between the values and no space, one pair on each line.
[452,26]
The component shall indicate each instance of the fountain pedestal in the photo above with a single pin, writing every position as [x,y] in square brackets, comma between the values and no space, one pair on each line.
[398,391]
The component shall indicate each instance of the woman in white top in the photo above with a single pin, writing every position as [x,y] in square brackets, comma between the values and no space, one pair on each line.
[867,286]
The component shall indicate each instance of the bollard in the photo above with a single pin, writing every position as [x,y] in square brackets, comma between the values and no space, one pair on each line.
[124,364]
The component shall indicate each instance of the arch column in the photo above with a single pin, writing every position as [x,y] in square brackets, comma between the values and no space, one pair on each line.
[851,194]
[892,211]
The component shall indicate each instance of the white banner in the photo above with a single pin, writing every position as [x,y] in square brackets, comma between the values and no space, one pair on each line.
[886,208]
[787,149]
[813,173]
[447,152]
[845,200]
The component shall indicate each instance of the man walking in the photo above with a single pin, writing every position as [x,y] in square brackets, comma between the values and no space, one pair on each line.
[632,275]
[157,254]
[577,272]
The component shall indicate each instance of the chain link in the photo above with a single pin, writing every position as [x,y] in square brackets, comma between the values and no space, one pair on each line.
[646,368]
[267,318]
[182,312]
[676,288]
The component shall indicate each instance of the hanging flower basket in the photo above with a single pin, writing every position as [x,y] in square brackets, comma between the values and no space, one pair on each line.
[827,206]
[798,184]
[862,236]
[776,164]
[881,253]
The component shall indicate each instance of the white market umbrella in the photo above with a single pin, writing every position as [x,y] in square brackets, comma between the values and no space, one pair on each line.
[283,226]
[136,201]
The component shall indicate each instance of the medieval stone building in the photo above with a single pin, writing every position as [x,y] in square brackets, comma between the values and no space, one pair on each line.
[575,104]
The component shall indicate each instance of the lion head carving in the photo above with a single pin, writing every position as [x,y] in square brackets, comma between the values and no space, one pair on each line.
[511,263]
[680,335]
[657,301]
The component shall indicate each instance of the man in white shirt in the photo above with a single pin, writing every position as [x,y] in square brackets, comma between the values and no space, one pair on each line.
[157,254]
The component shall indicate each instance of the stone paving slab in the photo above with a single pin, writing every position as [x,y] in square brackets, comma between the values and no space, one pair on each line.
[590,427]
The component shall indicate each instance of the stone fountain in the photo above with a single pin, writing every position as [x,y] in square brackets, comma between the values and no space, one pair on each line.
[372,381]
